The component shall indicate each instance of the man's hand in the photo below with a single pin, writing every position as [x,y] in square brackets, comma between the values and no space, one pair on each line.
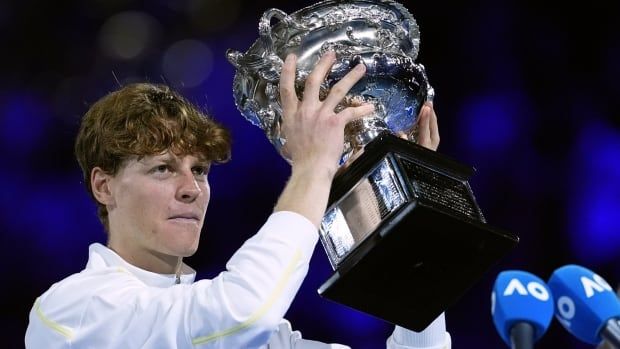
[427,130]
[314,132]
[314,135]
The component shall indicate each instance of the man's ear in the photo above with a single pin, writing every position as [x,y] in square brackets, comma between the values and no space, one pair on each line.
[100,185]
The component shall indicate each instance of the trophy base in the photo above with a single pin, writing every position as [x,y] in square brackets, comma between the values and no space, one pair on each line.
[422,257]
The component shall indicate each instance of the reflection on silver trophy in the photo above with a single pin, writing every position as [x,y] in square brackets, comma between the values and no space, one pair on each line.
[402,231]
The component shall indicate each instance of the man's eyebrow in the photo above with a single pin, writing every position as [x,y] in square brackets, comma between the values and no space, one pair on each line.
[167,158]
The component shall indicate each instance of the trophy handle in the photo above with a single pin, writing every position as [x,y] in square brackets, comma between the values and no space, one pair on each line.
[264,27]
[234,57]
[267,66]
[430,91]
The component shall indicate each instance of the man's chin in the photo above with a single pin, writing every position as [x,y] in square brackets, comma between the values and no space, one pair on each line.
[189,252]
[186,243]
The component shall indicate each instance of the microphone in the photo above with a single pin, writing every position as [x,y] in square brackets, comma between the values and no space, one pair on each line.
[586,305]
[522,308]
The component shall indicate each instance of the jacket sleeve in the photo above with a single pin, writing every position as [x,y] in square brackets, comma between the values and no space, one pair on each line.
[432,337]
[239,308]
[285,338]
[247,302]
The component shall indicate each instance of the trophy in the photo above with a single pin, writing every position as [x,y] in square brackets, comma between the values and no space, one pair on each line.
[402,230]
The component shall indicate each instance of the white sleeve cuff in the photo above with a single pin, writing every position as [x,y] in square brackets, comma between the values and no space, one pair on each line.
[432,337]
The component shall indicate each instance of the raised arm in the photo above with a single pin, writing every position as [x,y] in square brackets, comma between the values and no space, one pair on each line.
[314,135]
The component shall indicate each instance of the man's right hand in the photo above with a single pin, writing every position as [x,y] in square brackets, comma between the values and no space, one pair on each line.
[314,132]
[314,135]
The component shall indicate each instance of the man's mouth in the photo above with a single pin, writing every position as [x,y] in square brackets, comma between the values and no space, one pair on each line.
[185,217]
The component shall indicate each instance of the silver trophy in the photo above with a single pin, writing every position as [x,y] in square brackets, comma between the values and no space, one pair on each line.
[402,230]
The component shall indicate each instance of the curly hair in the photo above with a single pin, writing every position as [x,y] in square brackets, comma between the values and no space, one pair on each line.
[144,119]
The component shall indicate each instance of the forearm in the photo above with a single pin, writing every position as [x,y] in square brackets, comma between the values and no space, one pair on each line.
[307,191]
[314,134]
[248,301]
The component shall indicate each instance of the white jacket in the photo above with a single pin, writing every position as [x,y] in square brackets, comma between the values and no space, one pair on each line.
[113,304]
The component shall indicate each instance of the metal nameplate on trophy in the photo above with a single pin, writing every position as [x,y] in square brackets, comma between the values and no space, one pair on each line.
[402,230]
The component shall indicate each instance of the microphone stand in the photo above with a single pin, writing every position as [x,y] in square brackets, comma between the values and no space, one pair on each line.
[611,333]
[522,336]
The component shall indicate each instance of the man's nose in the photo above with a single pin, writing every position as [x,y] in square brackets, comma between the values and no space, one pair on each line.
[188,189]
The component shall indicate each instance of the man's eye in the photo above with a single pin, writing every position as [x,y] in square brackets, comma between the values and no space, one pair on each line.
[161,168]
[200,170]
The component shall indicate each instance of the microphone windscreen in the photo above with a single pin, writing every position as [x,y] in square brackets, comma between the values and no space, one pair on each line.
[519,296]
[584,302]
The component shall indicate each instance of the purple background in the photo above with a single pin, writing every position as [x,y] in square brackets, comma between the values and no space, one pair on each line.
[527,93]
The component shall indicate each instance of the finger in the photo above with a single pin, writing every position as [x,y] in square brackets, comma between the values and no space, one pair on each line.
[356,101]
[339,90]
[352,113]
[424,134]
[288,97]
[434,129]
[316,78]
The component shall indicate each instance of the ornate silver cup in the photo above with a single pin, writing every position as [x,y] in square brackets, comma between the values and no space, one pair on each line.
[381,34]
[402,231]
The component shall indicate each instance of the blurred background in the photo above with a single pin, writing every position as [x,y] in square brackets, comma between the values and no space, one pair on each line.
[527,92]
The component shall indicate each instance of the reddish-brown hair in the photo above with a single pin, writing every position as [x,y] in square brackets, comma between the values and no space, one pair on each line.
[145,119]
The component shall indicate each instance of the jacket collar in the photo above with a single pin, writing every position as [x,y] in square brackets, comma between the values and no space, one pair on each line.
[99,257]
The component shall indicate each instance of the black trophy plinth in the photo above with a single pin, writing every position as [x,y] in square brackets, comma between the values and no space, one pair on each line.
[405,235]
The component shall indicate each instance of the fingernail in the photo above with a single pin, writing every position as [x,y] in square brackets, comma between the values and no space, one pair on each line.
[360,67]
[291,57]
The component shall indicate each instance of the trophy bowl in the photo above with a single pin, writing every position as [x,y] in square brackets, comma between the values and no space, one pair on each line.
[382,35]
[402,230]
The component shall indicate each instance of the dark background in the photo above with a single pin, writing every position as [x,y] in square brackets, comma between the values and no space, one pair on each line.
[528,93]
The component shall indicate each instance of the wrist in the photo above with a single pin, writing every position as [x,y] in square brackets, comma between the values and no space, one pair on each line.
[307,191]
[314,170]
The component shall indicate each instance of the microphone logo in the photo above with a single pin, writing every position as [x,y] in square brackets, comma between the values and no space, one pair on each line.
[534,288]
[597,283]
[590,286]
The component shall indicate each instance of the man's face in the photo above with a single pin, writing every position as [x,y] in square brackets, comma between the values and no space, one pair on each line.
[159,204]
